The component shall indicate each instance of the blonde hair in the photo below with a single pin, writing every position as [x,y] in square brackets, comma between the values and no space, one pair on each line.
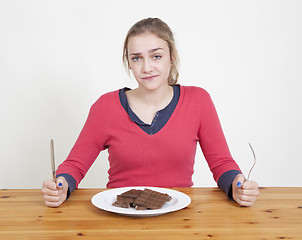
[161,30]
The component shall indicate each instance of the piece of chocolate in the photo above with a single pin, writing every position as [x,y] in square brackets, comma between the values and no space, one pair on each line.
[151,199]
[121,204]
[120,198]
[126,199]
[133,193]
[138,207]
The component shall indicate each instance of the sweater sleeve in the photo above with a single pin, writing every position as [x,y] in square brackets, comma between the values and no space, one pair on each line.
[226,180]
[71,183]
[212,141]
[84,152]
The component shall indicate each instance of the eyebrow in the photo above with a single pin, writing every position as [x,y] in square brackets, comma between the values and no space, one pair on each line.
[150,51]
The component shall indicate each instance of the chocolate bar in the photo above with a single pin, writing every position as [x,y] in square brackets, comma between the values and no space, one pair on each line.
[141,199]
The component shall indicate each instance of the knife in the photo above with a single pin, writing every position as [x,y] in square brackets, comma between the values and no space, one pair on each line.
[53,166]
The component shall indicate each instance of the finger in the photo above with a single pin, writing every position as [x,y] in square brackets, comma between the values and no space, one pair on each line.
[60,182]
[50,192]
[240,180]
[250,185]
[49,184]
[52,199]
[53,204]
[245,203]
[248,192]
[247,198]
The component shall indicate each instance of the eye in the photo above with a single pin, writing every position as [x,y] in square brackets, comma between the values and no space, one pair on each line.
[135,59]
[157,57]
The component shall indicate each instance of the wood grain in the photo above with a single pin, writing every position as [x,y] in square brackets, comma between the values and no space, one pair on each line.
[277,214]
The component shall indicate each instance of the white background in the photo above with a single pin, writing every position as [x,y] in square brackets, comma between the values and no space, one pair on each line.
[58,57]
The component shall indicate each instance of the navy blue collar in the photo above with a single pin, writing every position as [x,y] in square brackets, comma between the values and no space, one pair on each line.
[161,117]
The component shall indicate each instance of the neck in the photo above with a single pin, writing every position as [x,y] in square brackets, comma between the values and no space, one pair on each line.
[156,98]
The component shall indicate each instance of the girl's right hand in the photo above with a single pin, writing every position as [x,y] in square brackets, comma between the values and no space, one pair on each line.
[54,194]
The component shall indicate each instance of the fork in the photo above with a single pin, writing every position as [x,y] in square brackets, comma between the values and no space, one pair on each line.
[248,177]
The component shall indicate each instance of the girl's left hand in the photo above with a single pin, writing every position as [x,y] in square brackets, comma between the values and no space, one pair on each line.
[245,192]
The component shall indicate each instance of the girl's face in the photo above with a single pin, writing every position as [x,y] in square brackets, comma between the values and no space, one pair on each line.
[149,60]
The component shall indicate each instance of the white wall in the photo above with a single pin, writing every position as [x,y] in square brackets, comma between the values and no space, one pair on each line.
[58,57]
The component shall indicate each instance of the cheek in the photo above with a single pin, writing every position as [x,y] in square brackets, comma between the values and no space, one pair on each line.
[166,67]
[135,69]
[132,65]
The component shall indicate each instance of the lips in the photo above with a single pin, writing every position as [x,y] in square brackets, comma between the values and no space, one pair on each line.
[150,77]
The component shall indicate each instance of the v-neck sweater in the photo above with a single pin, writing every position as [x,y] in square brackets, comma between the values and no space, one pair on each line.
[164,159]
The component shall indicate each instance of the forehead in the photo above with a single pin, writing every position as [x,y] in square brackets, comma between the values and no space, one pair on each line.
[145,42]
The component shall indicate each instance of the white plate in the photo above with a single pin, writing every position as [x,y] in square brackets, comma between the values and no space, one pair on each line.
[104,200]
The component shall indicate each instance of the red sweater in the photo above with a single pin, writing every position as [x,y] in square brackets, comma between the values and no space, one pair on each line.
[165,159]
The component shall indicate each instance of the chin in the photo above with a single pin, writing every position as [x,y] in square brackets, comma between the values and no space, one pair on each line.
[151,86]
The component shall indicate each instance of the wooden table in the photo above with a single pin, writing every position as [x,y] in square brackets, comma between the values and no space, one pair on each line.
[277,214]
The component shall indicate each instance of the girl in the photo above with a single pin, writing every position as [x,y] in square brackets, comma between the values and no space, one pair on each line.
[151,132]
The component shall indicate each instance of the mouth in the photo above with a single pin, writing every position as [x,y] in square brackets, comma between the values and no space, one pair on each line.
[150,77]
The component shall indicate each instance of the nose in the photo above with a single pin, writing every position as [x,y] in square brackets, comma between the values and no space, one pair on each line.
[147,65]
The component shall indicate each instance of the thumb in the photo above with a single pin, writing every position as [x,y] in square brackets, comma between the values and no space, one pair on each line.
[240,180]
[60,182]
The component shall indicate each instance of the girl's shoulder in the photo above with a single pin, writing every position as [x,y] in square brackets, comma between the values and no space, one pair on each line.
[106,101]
[194,91]
[107,97]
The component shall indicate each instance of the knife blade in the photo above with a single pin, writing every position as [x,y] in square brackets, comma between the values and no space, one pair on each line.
[52,156]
